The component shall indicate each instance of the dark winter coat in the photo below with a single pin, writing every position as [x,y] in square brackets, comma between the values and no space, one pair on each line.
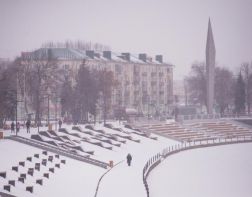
[28,124]
[129,157]
[12,126]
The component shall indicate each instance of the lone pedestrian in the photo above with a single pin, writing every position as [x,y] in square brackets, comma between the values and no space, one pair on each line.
[60,123]
[18,127]
[12,127]
[129,158]
[28,125]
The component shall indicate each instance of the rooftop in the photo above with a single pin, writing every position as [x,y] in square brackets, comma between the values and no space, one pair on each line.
[77,54]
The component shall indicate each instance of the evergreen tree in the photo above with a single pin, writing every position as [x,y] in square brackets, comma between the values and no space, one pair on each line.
[240,95]
[86,93]
[66,98]
[106,84]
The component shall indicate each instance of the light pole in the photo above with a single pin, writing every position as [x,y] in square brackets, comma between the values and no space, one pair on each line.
[148,106]
[48,110]
[17,101]
[56,112]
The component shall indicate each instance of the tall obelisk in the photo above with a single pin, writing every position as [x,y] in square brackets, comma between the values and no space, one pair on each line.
[210,65]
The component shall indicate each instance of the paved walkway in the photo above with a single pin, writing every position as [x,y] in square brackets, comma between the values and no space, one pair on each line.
[123,181]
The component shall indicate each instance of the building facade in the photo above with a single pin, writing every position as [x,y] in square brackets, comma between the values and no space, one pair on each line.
[143,83]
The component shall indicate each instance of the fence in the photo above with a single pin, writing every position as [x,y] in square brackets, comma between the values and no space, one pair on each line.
[198,117]
[60,151]
[156,159]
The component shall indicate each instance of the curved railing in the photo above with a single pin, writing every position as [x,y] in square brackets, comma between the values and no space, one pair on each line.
[156,159]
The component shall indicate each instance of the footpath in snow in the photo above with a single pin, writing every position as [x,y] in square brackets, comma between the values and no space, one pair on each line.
[125,181]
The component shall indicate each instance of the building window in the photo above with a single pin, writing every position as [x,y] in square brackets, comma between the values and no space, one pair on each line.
[118,69]
[144,74]
[153,74]
[66,67]
[161,74]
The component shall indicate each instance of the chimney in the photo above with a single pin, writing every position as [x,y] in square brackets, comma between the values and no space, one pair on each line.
[142,56]
[107,54]
[159,58]
[90,54]
[126,56]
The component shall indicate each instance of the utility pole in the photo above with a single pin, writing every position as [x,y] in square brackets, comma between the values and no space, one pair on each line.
[56,115]
[48,110]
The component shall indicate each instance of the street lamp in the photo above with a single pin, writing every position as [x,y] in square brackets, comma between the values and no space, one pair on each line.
[57,100]
[48,111]
[17,100]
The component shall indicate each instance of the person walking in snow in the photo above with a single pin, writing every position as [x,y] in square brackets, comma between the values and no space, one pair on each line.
[28,125]
[18,127]
[13,127]
[60,123]
[129,158]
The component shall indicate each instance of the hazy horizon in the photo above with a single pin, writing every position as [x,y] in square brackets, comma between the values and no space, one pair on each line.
[175,29]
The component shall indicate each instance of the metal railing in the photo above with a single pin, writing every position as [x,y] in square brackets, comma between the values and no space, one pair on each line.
[198,117]
[157,159]
[59,151]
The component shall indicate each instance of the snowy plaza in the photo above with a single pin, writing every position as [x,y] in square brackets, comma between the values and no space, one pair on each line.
[125,98]
[220,170]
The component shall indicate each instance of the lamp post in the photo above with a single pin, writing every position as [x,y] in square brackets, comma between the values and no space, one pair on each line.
[148,106]
[48,110]
[56,112]
[17,101]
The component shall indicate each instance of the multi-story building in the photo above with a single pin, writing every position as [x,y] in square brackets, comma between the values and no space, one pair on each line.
[144,83]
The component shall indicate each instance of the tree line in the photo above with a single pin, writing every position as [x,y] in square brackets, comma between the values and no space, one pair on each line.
[40,79]
[232,91]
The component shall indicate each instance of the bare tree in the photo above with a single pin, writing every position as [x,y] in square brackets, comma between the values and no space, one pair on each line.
[42,78]
[78,44]
[240,95]
[197,84]
[8,90]
[246,70]
[224,88]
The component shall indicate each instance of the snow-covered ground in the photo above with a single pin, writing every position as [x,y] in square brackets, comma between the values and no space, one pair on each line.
[78,178]
[217,171]
[127,181]
[222,171]
[74,178]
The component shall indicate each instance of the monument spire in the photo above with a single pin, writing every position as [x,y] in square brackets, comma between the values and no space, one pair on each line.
[210,67]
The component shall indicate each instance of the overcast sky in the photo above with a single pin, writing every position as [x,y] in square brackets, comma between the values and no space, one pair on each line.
[175,28]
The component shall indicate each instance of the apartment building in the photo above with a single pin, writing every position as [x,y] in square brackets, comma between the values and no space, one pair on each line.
[144,83]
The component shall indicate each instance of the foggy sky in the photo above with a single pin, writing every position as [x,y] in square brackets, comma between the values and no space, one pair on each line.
[175,28]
